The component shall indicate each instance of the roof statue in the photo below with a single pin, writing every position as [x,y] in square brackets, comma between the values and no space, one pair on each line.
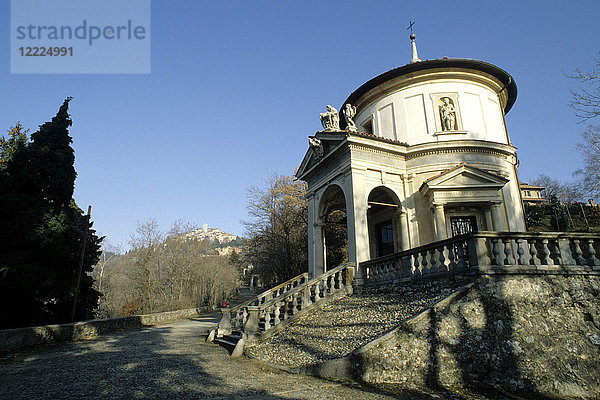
[330,119]
[349,113]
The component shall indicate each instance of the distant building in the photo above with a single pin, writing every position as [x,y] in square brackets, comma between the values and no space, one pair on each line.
[214,235]
[532,194]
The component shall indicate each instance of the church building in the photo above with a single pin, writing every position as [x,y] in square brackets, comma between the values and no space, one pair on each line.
[417,154]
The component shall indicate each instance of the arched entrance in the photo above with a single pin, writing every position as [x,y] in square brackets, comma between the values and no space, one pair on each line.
[330,231]
[386,221]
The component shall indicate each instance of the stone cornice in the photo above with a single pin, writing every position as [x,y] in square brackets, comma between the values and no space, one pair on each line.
[459,146]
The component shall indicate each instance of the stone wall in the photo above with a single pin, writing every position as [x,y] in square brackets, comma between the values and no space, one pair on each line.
[13,339]
[524,334]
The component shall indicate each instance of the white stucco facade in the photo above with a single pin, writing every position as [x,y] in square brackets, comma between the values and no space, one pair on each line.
[431,158]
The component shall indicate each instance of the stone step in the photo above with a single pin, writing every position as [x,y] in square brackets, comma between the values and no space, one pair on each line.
[337,329]
[233,342]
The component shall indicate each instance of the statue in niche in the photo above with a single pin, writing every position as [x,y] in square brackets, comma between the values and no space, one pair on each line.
[330,119]
[349,113]
[316,146]
[448,114]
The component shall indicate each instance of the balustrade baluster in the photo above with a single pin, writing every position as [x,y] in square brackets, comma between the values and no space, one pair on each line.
[592,260]
[433,264]
[546,260]
[276,313]
[498,260]
[451,258]
[509,259]
[535,260]
[442,257]
[417,263]
[406,266]
[294,308]
[523,257]
[268,318]
[578,253]
[389,267]
[306,300]
[558,260]
[288,305]
[424,263]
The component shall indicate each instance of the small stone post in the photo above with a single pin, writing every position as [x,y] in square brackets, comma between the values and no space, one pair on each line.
[566,257]
[305,297]
[349,278]
[225,322]
[478,252]
[251,327]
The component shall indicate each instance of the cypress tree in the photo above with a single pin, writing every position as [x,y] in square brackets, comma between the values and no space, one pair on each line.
[41,231]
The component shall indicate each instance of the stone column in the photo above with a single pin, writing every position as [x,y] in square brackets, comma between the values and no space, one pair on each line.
[497,219]
[489,225]
[318,249]
[407,184]
[404,239]
[311,233]
[358,230]
[439,222]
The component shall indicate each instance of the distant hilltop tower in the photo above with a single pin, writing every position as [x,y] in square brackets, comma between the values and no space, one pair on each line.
[417,154]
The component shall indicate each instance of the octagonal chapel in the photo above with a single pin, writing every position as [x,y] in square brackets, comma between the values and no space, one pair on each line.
[418,154]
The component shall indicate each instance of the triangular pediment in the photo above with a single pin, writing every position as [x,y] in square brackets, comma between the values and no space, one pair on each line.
[463,177]
[319,147]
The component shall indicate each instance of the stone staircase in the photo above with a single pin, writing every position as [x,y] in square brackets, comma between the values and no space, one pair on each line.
[229,341]
[340,327]
[261,316]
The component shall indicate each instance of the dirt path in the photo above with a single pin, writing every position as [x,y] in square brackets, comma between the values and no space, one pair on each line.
[169,361]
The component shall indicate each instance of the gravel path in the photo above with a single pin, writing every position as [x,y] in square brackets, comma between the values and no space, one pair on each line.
[169,361]
[351,322]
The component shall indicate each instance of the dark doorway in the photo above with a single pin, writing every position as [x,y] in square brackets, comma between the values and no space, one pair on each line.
[385,238]
[462,225]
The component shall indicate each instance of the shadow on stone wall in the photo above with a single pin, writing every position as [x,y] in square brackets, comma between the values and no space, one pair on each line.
[487,356]
[530,336]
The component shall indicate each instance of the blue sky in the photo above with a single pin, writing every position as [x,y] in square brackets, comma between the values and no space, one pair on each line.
[236,87]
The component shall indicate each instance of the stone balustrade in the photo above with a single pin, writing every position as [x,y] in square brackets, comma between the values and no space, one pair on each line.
[488,251]
[258,318]
[235,317]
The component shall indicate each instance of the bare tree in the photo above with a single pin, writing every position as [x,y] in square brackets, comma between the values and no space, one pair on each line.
[569,192]
[586,103]
[144,244]
[164,273]
[590,173]
[277,231]
[586,100]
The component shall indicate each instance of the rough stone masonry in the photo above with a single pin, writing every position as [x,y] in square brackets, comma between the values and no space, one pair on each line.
[529,334]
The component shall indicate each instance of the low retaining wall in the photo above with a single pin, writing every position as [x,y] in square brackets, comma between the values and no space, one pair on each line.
[13,339]
[533,335]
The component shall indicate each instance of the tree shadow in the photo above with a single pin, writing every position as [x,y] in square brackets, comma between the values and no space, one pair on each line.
[485,351]
[164,361]
[151,362]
